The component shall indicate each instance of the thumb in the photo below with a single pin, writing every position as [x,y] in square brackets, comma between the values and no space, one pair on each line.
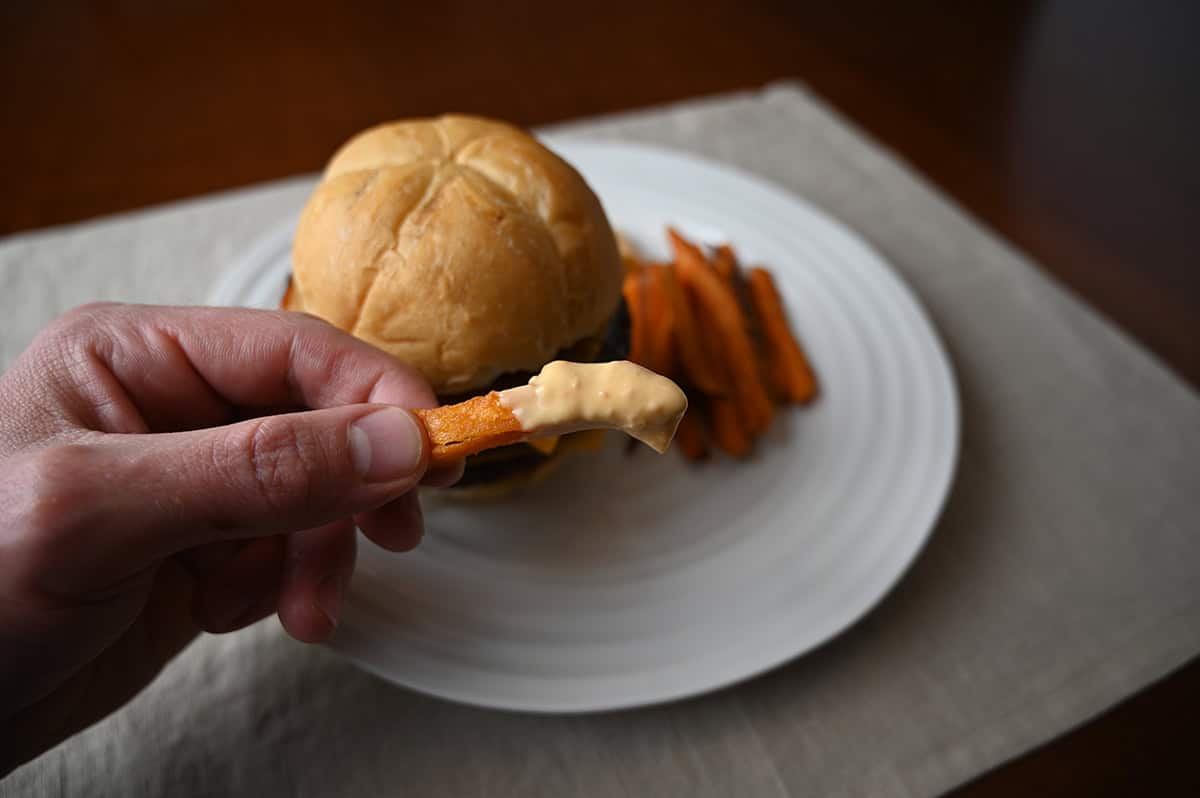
[148,496]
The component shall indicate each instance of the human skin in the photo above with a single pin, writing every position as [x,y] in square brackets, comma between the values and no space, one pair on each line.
[165,471]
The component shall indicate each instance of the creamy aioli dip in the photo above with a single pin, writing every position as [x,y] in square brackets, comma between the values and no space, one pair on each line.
[566,397]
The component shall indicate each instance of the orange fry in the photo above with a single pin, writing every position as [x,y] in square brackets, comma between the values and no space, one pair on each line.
[632,289]
[660,315]
[289,297]
[725,263]
[563,397]
[690,351]
[688,256]
[791,370]
[709,336]
[456,431]
[719,310]
[727,428]
[690,436]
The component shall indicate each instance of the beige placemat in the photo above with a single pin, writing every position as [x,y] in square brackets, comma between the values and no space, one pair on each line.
[1064,575]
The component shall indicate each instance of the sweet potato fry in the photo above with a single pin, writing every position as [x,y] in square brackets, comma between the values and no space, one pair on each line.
[728,429]
[690,352]
[660,322]
[790,368]
[632,289]
[563,397]
[456,431]
[711,344]
[289,297]
[725,263]
[718,308]
[690,436]
[688,256]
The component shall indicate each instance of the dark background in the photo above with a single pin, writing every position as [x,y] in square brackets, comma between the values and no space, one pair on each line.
[1072,127]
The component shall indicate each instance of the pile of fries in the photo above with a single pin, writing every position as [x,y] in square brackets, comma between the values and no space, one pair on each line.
[722,333]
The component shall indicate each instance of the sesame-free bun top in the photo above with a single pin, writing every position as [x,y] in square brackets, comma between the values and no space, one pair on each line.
[458,244]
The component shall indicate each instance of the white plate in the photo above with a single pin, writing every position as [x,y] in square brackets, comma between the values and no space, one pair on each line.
[624,581]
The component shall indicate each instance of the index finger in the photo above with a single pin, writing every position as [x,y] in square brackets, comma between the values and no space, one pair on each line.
[166,357]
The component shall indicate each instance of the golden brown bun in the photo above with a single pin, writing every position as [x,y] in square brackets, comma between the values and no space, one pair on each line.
[458,244]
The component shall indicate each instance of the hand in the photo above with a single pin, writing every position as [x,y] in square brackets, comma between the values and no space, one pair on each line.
[171,470]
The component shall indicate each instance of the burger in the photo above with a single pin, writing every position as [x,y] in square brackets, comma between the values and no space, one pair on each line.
[468,250]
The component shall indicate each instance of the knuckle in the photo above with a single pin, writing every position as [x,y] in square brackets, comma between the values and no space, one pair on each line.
[94,308]
[278,462]
[55,484]
[48,500]
[85,315]
[73,329]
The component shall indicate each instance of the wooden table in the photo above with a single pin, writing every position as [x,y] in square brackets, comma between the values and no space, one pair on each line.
[1071,127]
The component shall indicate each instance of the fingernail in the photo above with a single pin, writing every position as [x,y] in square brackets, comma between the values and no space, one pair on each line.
[386,445]
[329,599]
